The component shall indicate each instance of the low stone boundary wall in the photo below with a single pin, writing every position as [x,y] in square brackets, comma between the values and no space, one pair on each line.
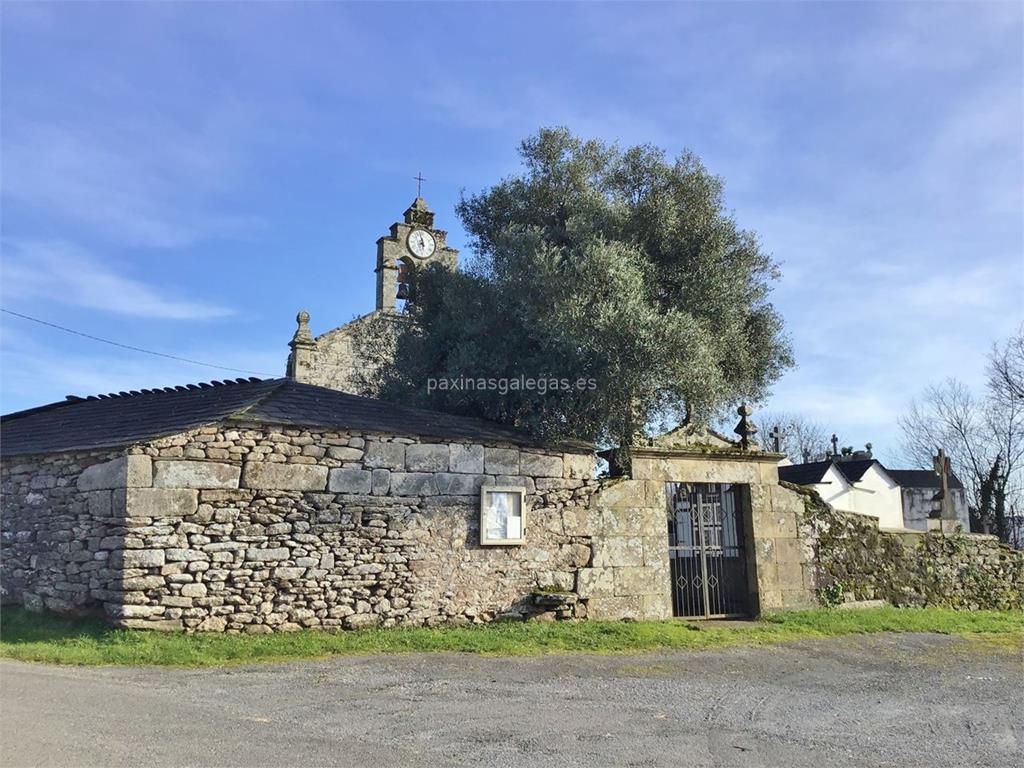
[256,529]
[854,561]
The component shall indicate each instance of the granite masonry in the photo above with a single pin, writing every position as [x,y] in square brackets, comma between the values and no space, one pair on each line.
[261,506]
[255,528]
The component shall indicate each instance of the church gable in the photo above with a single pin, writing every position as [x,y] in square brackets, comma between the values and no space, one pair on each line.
[332,359]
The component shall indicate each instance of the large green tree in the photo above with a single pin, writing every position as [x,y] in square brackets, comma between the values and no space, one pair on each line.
[618,268]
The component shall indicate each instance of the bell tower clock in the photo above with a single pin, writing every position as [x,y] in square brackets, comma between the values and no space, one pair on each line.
[412,244]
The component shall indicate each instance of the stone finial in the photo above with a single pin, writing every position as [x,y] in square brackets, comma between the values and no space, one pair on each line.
[746,429]
[302,334]
[302,345]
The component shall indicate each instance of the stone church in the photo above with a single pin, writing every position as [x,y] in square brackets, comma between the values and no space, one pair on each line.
[330,359]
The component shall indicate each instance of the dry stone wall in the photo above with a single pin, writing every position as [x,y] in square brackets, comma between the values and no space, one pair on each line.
[261,528]
[57,528]
[853,560]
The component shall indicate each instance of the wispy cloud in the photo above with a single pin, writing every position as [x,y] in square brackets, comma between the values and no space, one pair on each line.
[62,272]
[149,186]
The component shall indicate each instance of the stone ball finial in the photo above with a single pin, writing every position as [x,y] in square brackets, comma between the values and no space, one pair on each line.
[302,335]
[746,429]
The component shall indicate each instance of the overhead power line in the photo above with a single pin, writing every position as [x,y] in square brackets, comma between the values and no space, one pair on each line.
[129,346]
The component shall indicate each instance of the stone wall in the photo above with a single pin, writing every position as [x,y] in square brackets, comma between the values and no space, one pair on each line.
[854,560]
[628,575]
[57,529]
[256,528]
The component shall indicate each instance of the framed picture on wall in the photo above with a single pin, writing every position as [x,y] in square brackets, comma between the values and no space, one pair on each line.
[502,515]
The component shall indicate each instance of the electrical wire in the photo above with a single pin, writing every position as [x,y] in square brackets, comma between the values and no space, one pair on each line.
[129,346]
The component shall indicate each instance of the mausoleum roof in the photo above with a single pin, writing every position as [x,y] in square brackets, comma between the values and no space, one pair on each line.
[921,478]
[108,421]
[854,470]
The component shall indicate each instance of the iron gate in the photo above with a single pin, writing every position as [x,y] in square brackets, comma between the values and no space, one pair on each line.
[706,550]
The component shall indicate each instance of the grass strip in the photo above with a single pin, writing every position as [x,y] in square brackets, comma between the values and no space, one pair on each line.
[89,642]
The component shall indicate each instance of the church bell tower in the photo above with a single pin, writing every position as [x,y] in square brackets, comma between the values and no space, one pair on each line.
[413,244]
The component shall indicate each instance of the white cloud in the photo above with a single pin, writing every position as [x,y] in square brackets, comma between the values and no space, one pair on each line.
[62,272]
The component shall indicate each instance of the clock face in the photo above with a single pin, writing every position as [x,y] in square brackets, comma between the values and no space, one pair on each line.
[421,243]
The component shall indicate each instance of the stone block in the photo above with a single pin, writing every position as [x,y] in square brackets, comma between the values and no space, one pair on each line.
[139,558]
[516,481]
[637,581]
[657,607]
[384,455]
[790,576]
[175,601]
[413,484]
[595,582]
[99,503]
[350,481]
[195,474]
[466,458]
[345,453]
[576,521]
[156,625]
[540,465]
[284,477]
[139,583]
[180,555]
[289,574]
[381,482]
[427,458]
[156,502]
[501,461]
[656,551]
[122,472]
[268,555]
[618,551]
[611,608]
[630,521]
[212,624]
[193,590]
[616,494]
[579,467]
[789,551]
[451,484]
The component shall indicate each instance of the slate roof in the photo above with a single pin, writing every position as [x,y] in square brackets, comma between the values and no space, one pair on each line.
[804,474]
[108,421]
[814,472]
[854,470]
[921,478]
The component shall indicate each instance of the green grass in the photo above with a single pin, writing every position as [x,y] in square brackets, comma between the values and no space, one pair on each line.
[57,640]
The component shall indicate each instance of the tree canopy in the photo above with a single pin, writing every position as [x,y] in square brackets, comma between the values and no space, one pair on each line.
[616,271]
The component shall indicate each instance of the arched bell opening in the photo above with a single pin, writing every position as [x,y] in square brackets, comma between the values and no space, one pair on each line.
[405,284]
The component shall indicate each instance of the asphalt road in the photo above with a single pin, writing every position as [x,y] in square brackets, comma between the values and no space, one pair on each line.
[885,700]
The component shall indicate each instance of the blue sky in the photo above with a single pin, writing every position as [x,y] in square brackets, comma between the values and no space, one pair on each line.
[184,177]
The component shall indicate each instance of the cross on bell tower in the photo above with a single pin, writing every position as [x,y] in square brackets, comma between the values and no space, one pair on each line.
[419,184]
